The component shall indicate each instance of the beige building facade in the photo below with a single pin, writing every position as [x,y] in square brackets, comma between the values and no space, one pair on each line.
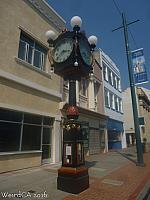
[143,105]
[30,95]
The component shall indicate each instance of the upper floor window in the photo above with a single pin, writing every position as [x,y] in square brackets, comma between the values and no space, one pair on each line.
[105,72]
[83,87]
[110,77]
[112,103]
[116,103]
[106,94]
[114,81]
[31,51]
[120,105]
[96,89]
[119,85]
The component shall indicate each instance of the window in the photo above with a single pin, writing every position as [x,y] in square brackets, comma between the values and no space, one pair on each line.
[106,98]
[113,103]
[48,121]
[9,136]
[116,104]
[46,143]
[110,77]
[6,115]
[22,131]
[83,87]
[32,119]
[111,99]
[120,105]
[105,71]
[31,139]
[96,89]
[114,81]
[10,127]
[31,52]
[118,83]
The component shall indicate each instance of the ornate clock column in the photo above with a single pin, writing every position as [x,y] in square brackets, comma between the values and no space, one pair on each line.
[72,59]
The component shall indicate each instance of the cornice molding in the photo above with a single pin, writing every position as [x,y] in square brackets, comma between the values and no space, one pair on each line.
[30,84]
[47,11]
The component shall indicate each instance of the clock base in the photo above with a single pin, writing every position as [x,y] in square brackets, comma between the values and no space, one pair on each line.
[73,180]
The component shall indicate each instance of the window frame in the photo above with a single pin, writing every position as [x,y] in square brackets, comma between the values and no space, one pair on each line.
[107,99]
[83,88]
[43,53]
[20,131]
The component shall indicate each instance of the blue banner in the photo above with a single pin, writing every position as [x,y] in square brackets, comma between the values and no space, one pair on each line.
[139,68]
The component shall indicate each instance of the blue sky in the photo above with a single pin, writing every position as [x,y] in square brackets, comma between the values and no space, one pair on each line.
[100,17]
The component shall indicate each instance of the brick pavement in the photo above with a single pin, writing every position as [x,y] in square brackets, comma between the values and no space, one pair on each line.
[124,183]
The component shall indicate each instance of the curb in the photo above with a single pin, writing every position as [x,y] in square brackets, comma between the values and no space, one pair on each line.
[144,193]
[142,190]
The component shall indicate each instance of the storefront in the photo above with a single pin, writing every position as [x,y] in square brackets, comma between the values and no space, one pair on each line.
[25,139]
[115,131]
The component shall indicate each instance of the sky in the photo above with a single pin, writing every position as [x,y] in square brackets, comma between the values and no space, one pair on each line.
[100,17]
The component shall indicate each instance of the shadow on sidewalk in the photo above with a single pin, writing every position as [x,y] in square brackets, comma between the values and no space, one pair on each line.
[128,156]
[89,164]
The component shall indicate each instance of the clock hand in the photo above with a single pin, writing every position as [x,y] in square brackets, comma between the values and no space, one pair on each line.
[64,51]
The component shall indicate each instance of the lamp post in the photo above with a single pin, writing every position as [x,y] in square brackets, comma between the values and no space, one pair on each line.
[72,58]
[140,160]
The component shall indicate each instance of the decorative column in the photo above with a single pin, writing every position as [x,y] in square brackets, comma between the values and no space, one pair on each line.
[91,94]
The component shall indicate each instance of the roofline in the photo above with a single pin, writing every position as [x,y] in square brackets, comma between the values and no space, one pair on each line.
[54,11]
[48,13]
[110,61]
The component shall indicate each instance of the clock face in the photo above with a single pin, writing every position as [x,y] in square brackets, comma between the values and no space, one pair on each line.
[85,52]
[63,50]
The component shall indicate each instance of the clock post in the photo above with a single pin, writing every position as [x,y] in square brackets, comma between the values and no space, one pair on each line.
[72,59]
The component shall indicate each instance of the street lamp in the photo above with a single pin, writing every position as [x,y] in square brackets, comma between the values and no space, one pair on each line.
[72,58]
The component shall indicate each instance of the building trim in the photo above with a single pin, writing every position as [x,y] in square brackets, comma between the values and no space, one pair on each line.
[30,34]
[54,11]
[32,67]
[26,110]
[109,61]
[47,11]
[30,84]
[19,152]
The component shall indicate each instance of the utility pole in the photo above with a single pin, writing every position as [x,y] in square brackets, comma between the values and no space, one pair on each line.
[140,161]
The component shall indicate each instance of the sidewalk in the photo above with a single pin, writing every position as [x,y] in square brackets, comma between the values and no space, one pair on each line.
[125,183]
[113,176]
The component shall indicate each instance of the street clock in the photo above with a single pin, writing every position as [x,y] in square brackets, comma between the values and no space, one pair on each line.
[72,57]
[85,51]
[63,50]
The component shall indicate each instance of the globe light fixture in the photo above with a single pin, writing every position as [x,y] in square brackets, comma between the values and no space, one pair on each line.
[76,64]
[76,23]
[92,41]
[51,36]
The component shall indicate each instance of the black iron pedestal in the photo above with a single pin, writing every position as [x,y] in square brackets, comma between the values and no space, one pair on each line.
[73,175]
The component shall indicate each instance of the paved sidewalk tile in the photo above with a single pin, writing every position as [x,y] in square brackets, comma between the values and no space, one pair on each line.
[113,176]
[123,184]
